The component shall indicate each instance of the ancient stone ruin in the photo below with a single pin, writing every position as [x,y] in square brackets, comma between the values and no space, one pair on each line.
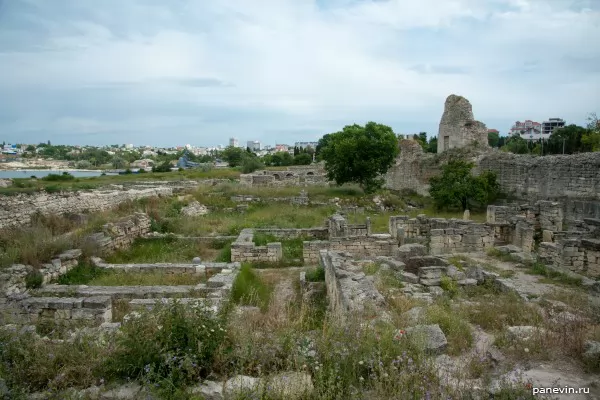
[458,128]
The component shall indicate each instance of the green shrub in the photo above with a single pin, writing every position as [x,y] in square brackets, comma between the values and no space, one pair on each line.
[52,189]
[81,274]
[34,279]
[251,164]
[170,346]
[58,178]
[164,167]
[315,275]
[141,171]
[449,285]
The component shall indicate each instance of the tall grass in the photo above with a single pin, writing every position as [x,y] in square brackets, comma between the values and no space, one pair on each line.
[249,289]
[167,249]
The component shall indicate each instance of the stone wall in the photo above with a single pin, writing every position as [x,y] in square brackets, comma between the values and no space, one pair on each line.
[338,227]
[575,177]
[69,312]
[122,233]
[366,246]
[576,251]
[412,169]
[244,249]
[292,233]
[349,290]
[17,210]
[441,235]
[309,175]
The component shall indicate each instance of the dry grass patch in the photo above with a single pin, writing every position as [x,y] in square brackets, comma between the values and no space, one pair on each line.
[495,312]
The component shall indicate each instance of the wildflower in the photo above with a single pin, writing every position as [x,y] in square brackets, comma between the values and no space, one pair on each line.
[361,379]
[317,368]
[360,362]
[526,350]
[385,375]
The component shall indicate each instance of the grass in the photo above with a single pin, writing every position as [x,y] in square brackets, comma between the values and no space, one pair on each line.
[553,276]
[454,325]
[86,274]
[292,248]
[31,186]
[495,312]
[163,250]
[249,289]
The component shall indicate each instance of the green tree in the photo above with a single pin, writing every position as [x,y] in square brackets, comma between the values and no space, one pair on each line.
[432,145]
[118,162]
[281,159]
[360,154]
[321,144]
[590,141]
[30,148]
[516,144]
[493,138]
[233,155]
[302,159]
[456,186]
[567,139]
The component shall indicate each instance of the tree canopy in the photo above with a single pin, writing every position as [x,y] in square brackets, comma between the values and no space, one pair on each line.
[359,154]
[456,186]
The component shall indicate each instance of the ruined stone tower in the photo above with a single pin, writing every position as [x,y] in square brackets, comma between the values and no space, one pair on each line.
[458,128]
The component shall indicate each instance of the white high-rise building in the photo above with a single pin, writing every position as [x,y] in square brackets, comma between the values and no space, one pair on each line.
[233,142]
[253,145]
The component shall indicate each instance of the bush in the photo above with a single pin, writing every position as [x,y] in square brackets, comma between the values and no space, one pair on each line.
[316,275]
[83,164]
[164,167]
[34,279]
[52,189]
[58,178]
[170,346]
[225,254]
[251,164]
[141,171]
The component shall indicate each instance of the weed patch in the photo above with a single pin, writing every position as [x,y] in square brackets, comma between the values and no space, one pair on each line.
[248,289]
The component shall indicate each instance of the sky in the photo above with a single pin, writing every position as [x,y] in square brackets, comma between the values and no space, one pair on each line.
[175,72]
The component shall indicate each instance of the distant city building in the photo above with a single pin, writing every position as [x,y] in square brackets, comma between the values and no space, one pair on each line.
[493,131]
[520,127]
[306,144]
[129,146]
[553,123]
[281,147]
[531,130]
[253,145]
[233,142]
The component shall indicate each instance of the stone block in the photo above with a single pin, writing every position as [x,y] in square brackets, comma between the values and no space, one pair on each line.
[97,302]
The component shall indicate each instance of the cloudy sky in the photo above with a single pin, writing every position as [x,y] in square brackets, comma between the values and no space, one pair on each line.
[172,72]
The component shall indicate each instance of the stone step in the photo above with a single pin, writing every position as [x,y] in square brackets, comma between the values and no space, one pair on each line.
[125,292]
[148,304]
